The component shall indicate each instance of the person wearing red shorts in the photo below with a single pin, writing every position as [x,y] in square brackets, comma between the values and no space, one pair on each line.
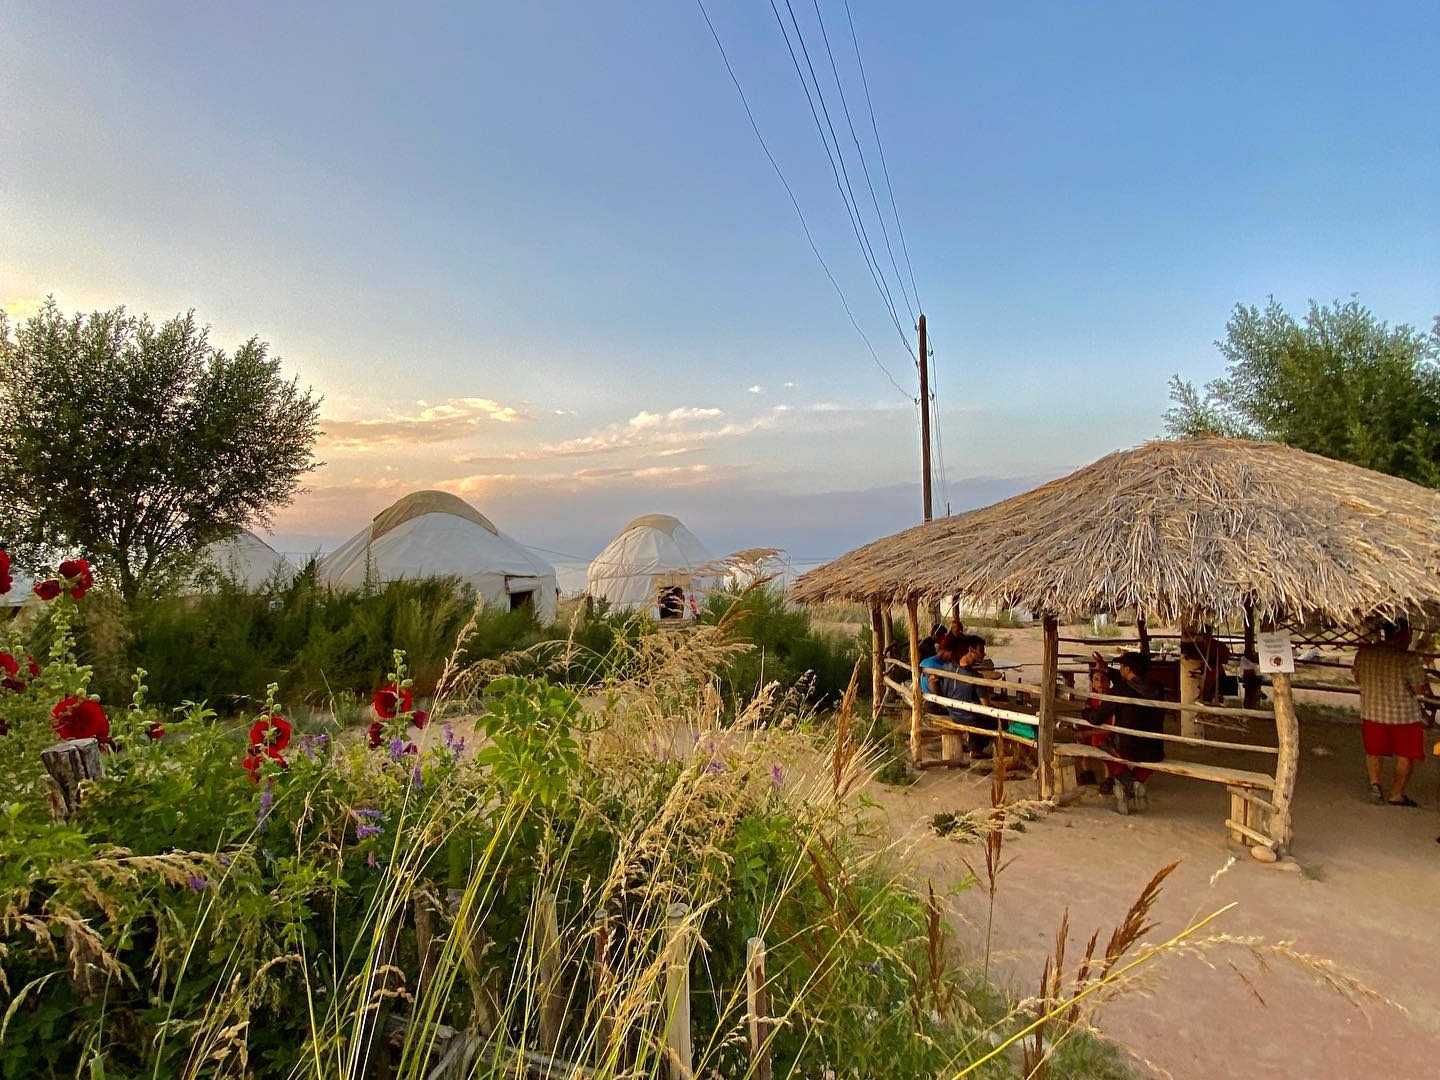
[1392,682]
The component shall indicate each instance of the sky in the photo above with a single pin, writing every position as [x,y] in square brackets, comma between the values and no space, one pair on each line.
[534,254]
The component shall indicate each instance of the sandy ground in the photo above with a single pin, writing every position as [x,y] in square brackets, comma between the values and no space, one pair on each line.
[1363,891]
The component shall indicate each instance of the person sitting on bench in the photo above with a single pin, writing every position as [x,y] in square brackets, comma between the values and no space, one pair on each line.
[1130,780]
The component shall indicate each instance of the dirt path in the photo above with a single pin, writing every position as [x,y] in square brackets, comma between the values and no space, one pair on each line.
[1363,891]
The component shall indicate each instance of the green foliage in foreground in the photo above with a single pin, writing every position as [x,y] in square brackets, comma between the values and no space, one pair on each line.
[225,645]
[330,648]
[193,921]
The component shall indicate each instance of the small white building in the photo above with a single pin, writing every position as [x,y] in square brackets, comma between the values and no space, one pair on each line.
[655,565]
[435,534]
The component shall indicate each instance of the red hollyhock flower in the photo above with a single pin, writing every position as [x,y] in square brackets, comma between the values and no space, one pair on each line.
[6,581]
[11,669]
[80,718]
[156,731]
[420,718]
[33,666]
[272,733]
[390,701]
[251,764]
[376,733]
[77,575]
[48,589]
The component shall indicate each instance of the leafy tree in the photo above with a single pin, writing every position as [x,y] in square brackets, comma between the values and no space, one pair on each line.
[1341,383]
[139,444]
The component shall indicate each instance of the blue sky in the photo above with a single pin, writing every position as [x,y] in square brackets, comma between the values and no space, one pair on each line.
[532,253]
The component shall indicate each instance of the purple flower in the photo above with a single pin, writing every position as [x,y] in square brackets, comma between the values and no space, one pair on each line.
[454,745]
[197,883]
[371,861]
[364,832]
[777,775]
[310,745]
[397,748]
[417,779]
[267,800]
[715,766]
[370,814]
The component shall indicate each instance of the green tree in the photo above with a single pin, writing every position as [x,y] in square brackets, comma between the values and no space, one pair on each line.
[1341,383]
[137,444]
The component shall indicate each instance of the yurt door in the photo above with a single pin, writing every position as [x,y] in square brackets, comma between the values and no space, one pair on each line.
[522,591]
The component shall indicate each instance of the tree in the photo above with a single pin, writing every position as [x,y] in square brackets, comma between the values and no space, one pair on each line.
[138,445]
[1342,384]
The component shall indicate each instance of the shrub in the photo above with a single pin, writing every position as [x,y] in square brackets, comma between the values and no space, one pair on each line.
[785,647]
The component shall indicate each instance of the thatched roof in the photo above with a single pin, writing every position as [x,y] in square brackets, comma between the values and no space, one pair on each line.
[1173,528]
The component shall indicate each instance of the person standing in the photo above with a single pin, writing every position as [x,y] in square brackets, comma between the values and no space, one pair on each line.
[1392,682]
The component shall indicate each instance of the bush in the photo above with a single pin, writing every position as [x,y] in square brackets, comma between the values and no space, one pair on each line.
[786,648]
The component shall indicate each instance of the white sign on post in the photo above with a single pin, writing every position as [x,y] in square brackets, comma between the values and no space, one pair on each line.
[1275,652]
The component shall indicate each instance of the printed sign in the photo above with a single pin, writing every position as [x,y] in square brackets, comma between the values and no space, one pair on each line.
[1276,655]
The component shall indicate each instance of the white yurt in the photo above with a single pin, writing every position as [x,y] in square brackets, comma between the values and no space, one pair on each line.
[436,534]
[248,561]
[657,565]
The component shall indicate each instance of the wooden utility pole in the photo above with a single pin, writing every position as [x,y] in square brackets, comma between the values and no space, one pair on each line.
[934,603]
[925,420]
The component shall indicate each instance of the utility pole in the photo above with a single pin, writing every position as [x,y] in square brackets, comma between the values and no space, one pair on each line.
[925,420]
[934,603]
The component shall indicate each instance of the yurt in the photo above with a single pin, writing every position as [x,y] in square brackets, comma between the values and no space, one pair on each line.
[248,561]
[436,534]
[657,565]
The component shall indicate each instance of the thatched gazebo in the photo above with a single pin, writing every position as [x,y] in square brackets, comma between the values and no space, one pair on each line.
[1190,532]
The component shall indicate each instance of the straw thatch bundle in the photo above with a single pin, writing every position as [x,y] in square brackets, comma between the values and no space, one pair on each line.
[1174,529]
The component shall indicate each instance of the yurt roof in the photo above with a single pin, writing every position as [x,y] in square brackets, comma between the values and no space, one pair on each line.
[419,503]
[1173,528]
[664,522]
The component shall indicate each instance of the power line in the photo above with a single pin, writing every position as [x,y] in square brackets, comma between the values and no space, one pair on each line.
[939,437]
[840,172]
[859,150]
[883,166]
[755,127]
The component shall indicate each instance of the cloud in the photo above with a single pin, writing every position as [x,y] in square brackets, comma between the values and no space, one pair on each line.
[756,389]
[446,421]
[676,431]
[598,476]
[790,386]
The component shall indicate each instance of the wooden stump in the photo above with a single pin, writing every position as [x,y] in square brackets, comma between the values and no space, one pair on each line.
[69,763]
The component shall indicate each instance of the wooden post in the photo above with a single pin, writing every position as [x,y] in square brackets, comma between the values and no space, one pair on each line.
[552,1003]
[1142,631]
[757,1008]
[424,941]
[678,1055]
[1045,729]
[917,700]
[1250,679]
[1192,680]
[69,763]
[1287,762]
[877,660]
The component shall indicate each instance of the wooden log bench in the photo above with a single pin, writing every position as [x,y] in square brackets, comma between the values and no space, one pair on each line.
[1250,805]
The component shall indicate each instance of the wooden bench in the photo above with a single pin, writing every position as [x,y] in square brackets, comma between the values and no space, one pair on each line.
[1250,805]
